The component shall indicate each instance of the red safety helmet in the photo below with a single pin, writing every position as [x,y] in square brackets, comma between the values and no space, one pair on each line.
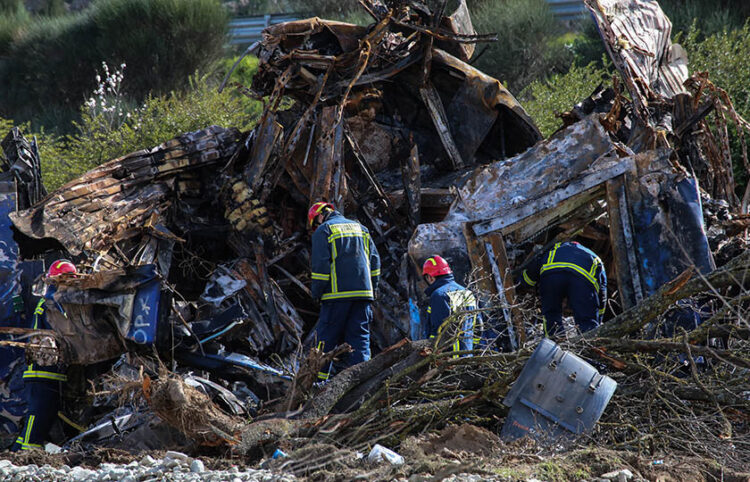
[317,208]
[436,266]
[61,266]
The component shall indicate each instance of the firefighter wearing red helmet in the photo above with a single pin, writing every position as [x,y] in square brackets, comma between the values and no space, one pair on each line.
[448,298]
[345,273]
[42,384]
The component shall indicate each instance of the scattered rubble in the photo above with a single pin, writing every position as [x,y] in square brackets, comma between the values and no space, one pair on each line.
[186,329]
[174,466]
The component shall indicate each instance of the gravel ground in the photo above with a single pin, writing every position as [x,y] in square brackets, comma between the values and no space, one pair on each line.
[174,466]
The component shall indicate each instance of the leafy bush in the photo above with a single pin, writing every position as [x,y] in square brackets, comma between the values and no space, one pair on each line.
[726,58]
[50,67]
[542,99]
[711,16]
[99,139]
[244,72]
[162,41]
[525,50]
[13,17]
[588,46]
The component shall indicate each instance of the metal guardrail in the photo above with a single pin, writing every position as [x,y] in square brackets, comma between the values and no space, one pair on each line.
[567,9]
[246,30]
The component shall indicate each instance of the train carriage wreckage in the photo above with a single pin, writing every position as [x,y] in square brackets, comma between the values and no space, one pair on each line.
[196,260]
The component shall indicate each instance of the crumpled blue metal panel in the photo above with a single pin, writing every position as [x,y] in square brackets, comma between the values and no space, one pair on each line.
[12,404]
[557,394]
[10,276]
[144,320]
[668,231]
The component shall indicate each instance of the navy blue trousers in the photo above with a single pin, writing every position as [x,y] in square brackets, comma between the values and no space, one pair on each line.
[554,287]
[345,321]
[43,403]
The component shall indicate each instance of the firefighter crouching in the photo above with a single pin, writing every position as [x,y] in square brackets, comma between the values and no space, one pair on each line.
[42,384]
[571,271]
[449,298]
[345,273]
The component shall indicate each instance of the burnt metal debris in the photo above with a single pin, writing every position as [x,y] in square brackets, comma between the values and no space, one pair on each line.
[194,255]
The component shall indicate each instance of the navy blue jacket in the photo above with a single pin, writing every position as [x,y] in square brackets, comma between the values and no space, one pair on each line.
[446,298]
[570,256]
[345,262]
[35,372]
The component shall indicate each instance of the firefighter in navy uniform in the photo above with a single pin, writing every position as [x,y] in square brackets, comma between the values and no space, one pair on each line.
[448,298]
[571,271]
[42,384]
[345,273]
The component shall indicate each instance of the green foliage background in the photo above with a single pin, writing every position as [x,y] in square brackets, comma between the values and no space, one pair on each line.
[49,63]
[175,60]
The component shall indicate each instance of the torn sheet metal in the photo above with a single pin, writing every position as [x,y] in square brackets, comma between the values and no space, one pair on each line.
[637,34]
[524,185]
[459,22]
[668,233]
[550,165]
[95,314]
[220,287]
[21,162]
[486,120]
[114,200]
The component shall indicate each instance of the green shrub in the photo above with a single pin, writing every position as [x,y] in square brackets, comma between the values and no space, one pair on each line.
[542,99]
[50,7]
[726,58]
[159,119]
[711,16]
[10,6]
[162,41]
[51,67]
[13,18]
[244,72]
[588,45]
[525,50]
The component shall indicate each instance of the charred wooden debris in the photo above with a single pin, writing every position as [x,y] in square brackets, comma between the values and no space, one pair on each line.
[195,257]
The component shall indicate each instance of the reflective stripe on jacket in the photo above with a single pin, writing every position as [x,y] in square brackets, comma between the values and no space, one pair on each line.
[345,261]
[35,372]
[447,298]
[571,256]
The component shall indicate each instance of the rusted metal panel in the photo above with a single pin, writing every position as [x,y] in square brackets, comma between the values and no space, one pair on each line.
[621,235]
[328,157]
[585,186]
[459,22]
[412,186]
[582,148]
[513,127]
[267,133]
[115,199]
[440,119]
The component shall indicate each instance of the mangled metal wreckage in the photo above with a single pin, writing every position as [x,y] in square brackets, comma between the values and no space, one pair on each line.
[196,249]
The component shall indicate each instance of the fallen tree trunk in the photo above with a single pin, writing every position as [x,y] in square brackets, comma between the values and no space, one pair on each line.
[640,315]
[353,377]
[643,346]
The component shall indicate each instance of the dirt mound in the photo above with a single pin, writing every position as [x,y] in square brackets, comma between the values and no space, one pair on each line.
[461,438]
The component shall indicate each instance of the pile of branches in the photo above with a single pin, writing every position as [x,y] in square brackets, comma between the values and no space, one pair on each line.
[668,399]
